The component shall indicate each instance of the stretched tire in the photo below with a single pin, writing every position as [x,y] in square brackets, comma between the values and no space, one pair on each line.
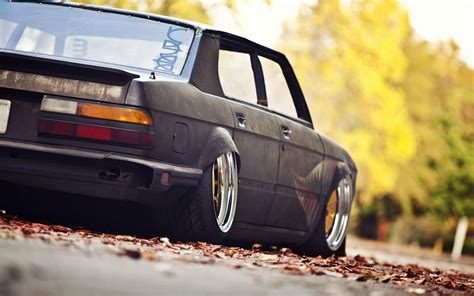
[329,237]
[207,212]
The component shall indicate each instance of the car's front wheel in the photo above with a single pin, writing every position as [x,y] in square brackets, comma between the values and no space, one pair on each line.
[329,237]
[207,212]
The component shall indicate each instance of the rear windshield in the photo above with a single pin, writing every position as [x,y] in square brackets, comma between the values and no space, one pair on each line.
[83,34]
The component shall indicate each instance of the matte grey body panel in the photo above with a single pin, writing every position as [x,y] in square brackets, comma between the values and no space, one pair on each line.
[258,142]
[298,200]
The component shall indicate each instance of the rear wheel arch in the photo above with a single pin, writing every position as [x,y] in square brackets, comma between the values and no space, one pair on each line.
[335,170]
[218,143]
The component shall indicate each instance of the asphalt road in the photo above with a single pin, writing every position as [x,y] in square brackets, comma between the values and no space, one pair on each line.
[49,259]
[32,267]
[396,254]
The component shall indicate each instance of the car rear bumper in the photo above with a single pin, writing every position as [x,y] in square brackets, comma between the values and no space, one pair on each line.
[92,173]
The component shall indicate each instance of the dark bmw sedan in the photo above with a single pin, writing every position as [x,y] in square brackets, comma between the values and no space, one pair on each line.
[204,125]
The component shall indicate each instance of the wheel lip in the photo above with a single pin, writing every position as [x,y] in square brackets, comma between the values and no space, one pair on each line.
[341,220]
[228,195]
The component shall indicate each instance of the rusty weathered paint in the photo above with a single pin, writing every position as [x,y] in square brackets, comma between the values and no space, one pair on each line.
[63,86]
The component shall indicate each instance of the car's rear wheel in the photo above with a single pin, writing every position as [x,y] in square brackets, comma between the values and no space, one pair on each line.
[207,212]
[329,237]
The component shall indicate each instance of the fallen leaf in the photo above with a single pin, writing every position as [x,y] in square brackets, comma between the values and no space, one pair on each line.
[386,279]
[294,270]
[60,228]
[360,258]
[316,271]
[27,231]
[448,283]
[220,255]
[420,281]
[216,248]
[148,255]
[134,254]
[364,278]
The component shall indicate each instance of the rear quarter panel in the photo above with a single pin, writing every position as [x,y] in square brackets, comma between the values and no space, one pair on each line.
[181,113]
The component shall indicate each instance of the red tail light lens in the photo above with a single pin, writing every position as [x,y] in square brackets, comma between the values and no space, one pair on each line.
[60,128]
[92,132]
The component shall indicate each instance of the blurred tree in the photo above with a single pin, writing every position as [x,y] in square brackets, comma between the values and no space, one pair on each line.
[420,176]
[454,196]
[185,9]
[351,63]
[233,4]
[440,93]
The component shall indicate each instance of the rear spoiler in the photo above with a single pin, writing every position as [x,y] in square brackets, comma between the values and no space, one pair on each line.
[65,69]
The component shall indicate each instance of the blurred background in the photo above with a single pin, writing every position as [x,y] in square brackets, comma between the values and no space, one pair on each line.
[393,82]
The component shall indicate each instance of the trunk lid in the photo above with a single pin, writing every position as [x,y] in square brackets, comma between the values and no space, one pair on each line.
[63,78]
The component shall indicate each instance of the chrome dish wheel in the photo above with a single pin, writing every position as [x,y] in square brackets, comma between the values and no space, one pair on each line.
[224,190]
[337,214]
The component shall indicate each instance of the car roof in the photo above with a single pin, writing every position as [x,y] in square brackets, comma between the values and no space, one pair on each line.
[177,21]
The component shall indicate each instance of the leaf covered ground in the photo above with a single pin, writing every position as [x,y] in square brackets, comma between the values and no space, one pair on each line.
[416,278]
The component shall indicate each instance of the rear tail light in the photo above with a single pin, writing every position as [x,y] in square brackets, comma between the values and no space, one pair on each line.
[100,111]
[135,127]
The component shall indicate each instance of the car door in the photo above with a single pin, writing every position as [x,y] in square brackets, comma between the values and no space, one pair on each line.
[298,199]
[256,133]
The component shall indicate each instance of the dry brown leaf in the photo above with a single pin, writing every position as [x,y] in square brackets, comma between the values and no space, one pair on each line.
[27,231]
[60,228]
[420,281]
[148,255]
[220,255]
[316,271]
[134,254]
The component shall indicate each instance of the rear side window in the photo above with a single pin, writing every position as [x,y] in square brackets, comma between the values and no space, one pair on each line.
[250,73]
[278,93]
[236,76]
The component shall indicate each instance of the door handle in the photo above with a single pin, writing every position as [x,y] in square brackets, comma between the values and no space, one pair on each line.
[241,119]
[286,132]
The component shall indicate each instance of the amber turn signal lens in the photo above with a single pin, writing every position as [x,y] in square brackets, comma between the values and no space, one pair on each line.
[114,113]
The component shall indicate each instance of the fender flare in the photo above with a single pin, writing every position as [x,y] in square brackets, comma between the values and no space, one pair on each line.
[219,142]
[342,170]
[338,170]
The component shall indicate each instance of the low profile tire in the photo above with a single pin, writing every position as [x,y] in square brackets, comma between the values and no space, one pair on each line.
[206,212]
[329,237]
